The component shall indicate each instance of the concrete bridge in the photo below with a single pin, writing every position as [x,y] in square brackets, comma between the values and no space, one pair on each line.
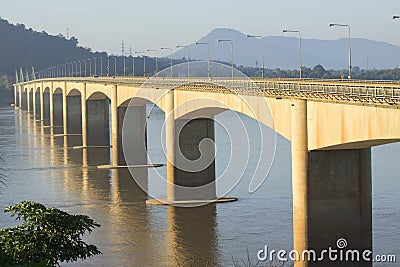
[332,125]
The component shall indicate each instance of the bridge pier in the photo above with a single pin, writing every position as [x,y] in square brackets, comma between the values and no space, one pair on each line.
[15,96]
[51,108]
[41,103]
[190,178]
[73,109]
[331,196]
[20,96]
[35,104]
[57,110]
[46,108]
[134,138]
[97,122]
[28,102]
[65,111]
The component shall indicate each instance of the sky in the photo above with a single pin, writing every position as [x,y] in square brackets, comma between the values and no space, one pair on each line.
[102,25]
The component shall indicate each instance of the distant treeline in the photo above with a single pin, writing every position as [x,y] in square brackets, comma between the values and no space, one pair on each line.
[318,72]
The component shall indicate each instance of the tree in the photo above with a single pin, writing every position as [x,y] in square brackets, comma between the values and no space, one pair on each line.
[47,236]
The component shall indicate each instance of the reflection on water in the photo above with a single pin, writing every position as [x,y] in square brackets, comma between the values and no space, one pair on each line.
[45,168]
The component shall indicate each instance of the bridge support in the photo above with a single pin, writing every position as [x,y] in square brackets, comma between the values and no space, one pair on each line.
[134,137]
[15,96]
[20,96]
[84,117]
[190,178]
[51,107]
[28,102]
[65,111]
[41,103]
[114,125]
[34,103]
[331,196]
[74,114]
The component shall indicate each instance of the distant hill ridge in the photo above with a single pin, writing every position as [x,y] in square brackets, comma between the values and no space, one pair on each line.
[22,47]
[283,51]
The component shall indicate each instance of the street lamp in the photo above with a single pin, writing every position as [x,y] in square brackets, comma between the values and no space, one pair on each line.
[85,66]
[90,67]
[80,68]
[349,46]
[115,65]
[170,50]
[233,63]
[95,72]
[208,57]
[101,66]
[262,50]
[153,50]
[301,50]
[144,62]
[188,61]
[108,65]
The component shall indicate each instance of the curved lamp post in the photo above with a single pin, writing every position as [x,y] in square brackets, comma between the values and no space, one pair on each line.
[170,50]
[208,57]
[301,50]
[349,46]
[262,51]
[188,60]
[233,63]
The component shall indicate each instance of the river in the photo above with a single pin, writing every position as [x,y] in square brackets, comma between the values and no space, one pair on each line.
[39,168]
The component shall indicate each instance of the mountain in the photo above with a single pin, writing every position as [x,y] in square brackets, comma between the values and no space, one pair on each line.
[22,47]
[283,51]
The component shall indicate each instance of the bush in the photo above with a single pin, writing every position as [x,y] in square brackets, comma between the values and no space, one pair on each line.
[46,237]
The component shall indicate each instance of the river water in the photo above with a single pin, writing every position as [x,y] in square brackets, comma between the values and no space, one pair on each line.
[39,168]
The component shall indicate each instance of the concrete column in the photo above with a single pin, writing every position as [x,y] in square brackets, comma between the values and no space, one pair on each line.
[65,111]
[170,143]
[28,104]
[51,98]
[84,116]
[134,137]
[299,176]
[34,102]
[340,202]
[41,103]
[20,95]
[114,125]
[194,170]
[15,96]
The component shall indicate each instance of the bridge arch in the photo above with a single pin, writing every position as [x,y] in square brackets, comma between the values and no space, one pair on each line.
[97,96]
[74,92]
[58,91]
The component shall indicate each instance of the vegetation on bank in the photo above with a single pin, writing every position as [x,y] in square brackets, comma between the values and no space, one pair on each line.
[46,237]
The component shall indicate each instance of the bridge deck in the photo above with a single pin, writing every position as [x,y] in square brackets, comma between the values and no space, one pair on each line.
[350,91]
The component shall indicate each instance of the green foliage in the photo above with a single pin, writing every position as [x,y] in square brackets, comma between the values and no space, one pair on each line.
[5,83]
[46,237]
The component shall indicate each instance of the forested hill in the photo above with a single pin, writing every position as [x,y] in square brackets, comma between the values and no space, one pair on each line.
[22,47]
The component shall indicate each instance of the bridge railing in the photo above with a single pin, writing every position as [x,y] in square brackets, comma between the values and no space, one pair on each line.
[384,92]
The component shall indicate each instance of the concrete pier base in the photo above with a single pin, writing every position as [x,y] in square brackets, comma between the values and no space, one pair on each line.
[98,129]
[74,112]
[132,136]
[340,202]
[194,171]
[331,198]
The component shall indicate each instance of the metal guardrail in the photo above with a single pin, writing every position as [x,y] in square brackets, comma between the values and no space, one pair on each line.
[354,91]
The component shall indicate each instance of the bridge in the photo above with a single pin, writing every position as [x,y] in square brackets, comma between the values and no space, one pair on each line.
[332,125]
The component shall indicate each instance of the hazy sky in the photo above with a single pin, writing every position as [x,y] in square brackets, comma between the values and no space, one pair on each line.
[151,24]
